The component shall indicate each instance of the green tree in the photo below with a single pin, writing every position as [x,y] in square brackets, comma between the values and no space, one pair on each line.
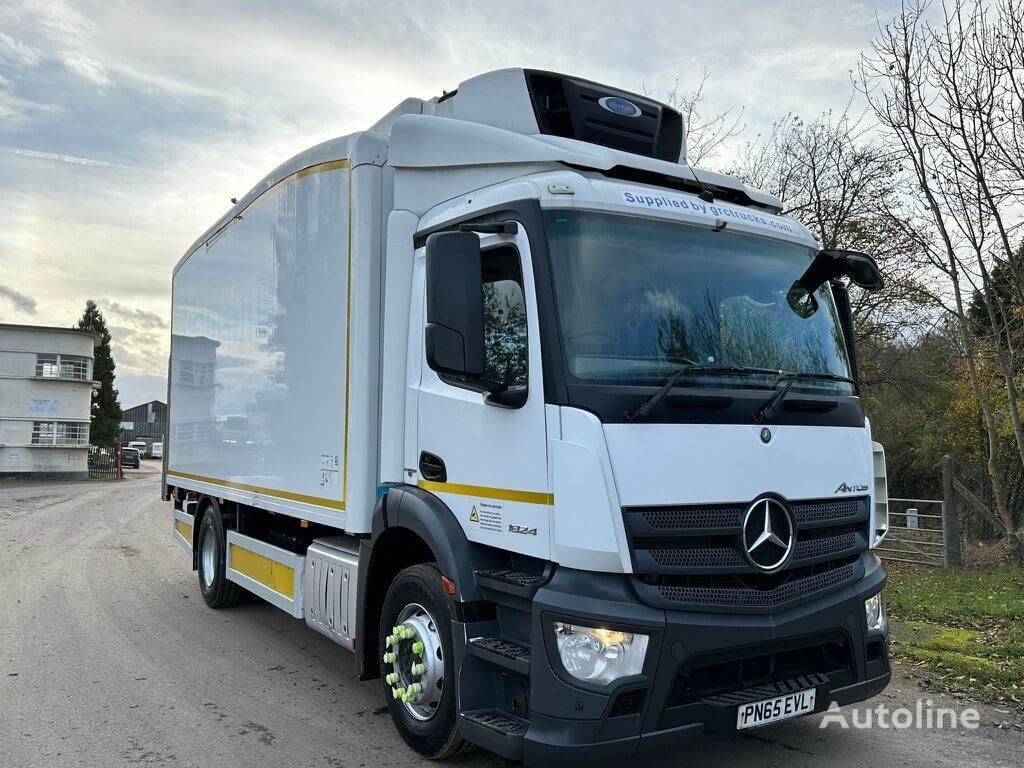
[106,412]
[995,307]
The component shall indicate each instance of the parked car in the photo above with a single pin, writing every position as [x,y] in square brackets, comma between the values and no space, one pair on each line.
[130,457]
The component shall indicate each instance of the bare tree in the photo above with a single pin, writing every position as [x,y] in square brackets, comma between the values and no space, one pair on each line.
[840,186]
[706,132]
[946,93]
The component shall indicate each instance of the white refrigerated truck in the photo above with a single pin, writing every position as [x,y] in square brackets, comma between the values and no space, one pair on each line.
[559,434]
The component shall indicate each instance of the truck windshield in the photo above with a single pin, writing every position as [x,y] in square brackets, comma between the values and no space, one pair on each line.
[637,298]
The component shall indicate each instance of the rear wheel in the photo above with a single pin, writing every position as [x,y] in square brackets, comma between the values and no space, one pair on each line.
[415,643]
[217,591]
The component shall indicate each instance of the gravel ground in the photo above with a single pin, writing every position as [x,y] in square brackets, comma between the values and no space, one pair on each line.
[109,657]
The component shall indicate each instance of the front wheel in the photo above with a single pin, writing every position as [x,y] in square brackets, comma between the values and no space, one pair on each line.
[415,644]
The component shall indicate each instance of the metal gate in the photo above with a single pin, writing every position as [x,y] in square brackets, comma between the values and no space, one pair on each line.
[105,462]
[918,533]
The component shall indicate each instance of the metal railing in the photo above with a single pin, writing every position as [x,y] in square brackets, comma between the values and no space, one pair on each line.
[917,534]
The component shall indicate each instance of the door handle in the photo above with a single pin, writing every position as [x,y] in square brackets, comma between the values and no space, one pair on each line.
[432,468]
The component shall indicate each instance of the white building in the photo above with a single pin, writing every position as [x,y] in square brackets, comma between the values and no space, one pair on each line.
[46,390]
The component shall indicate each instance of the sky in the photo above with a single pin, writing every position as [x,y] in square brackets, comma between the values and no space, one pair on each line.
[126,127]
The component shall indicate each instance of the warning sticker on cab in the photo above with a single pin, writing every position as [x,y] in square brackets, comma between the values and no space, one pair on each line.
[645,199]
[488,517]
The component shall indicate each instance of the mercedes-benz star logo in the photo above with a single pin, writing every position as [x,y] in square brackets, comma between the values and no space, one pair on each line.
[769,535]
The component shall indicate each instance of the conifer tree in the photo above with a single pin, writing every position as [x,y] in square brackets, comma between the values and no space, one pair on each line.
[106,411]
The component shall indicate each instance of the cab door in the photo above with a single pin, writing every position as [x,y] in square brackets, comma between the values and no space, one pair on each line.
[485,454]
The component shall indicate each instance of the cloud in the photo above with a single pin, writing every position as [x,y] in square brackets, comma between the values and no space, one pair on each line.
[138,352]
[138,337]
[25,303]
[38,38]
[89,69]
[135,388]
[71,36]
[137,318]
[54,156]
[126,127]
[16,111]
[15,53]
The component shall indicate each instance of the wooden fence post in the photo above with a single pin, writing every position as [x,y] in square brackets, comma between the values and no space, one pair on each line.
[950,518]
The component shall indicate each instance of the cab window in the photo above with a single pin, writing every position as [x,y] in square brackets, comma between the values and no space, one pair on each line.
[505,339]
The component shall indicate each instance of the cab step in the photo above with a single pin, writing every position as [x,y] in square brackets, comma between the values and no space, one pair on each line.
[503,653]
[512,582]
[496,731]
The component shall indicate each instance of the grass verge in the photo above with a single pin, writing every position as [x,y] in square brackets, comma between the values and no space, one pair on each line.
[961,631]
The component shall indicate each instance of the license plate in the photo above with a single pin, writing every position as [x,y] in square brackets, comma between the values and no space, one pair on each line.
[773,710]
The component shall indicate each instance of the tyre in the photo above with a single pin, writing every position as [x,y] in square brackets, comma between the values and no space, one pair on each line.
[217,591]
[418,671]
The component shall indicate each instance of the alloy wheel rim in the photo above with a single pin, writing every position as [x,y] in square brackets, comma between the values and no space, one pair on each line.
[415,662]
[209,558]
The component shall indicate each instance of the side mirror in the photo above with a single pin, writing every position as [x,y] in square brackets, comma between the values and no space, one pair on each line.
[859,267]
[454,337]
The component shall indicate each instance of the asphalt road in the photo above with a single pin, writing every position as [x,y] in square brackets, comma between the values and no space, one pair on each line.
[109,657]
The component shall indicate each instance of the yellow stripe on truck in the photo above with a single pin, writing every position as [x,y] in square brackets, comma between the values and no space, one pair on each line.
[503,494]
[184,529]
[270,573]
[305,499]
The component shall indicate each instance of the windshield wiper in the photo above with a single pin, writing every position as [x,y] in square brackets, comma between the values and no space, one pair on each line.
[767,410]
[690,367]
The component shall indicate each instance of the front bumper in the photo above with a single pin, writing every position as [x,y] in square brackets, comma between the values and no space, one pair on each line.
[698,665]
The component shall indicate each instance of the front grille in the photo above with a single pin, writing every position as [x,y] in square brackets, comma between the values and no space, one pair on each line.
[692,555]
[697,558]
[627,703]
[729,516]
[809,513]
[692,517]
[701,678]
[733,593]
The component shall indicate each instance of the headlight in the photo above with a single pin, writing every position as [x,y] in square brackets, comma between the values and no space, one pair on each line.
[874,611]
[599,655]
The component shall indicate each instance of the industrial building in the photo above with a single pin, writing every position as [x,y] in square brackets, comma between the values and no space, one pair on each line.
[146,422]
[46,391]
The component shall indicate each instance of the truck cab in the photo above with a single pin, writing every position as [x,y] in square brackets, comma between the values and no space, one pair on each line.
[607,484]
[704,548]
